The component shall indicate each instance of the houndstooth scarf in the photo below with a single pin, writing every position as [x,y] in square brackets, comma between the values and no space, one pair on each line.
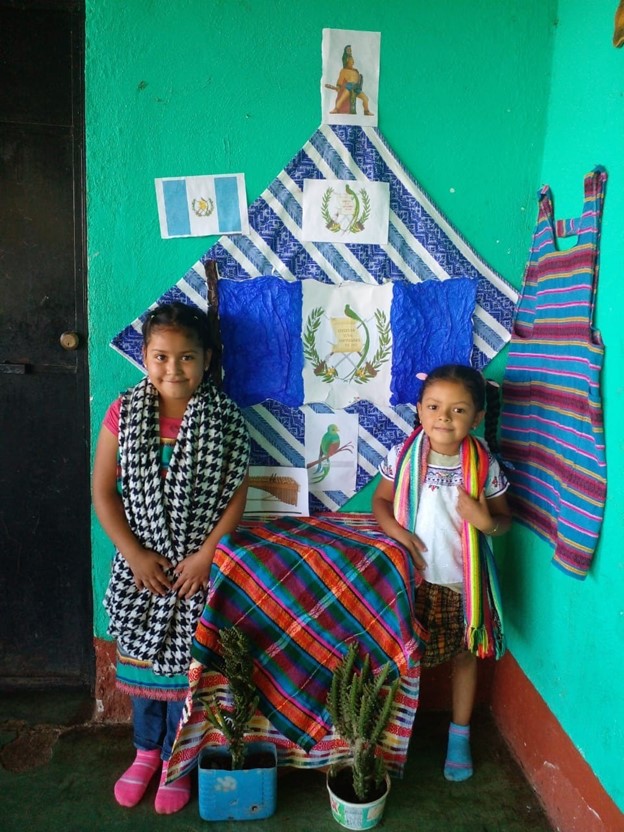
[171,515]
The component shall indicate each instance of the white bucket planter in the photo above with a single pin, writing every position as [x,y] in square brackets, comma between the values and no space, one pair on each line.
[357,815]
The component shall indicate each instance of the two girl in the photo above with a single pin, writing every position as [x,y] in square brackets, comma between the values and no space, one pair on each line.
[169,480]
[442,496]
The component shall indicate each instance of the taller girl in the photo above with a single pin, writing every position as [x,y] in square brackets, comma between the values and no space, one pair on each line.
[442,496]
[169,480]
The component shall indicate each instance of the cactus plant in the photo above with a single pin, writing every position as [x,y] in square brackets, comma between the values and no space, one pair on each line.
[237,666]
[360,712]
[248,768]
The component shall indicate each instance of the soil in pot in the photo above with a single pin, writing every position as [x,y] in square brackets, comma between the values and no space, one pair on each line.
[223,762]
[342,786]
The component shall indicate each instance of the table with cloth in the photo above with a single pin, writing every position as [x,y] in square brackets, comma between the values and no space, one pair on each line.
[302,589]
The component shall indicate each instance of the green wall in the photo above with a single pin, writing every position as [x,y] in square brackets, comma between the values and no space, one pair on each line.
[468,104]
[223,86]
[568,635]
[233,85]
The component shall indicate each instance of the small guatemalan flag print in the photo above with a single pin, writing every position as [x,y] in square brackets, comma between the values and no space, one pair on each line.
[198,206]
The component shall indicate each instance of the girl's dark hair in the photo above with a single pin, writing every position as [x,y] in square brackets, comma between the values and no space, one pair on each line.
[484,395]
[177,315]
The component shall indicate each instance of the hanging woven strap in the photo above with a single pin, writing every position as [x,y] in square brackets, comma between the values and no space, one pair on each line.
[482,602]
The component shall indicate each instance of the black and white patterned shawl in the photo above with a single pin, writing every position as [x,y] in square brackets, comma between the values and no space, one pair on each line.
[171,515]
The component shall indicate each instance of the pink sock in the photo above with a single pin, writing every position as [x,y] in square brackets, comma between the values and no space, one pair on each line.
[175,796]
[133,783]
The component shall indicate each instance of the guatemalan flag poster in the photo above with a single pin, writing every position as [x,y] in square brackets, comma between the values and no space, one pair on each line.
[198,206]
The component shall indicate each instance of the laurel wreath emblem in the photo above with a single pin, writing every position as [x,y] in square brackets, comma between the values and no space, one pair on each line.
[360,215]
[369,369]
[202,207]
[321,368]
[366,369]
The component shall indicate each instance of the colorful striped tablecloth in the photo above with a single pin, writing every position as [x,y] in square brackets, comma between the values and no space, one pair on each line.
[302,589]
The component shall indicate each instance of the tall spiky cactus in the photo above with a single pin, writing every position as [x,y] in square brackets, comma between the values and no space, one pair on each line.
[238,670]
[360,714]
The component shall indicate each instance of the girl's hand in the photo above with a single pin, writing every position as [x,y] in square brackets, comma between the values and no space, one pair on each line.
[148,568]
[384,514]
[194,571]
[414,546]
[492,517]
[192,574]
[475,512]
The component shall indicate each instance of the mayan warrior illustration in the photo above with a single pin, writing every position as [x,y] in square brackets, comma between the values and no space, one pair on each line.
[349,87]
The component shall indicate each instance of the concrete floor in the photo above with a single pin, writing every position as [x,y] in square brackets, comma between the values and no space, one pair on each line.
[57,772]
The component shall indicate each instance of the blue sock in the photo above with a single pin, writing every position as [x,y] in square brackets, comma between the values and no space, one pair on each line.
[458,765]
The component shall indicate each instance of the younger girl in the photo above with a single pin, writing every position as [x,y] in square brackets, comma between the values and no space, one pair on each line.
[442,496]
[169,480]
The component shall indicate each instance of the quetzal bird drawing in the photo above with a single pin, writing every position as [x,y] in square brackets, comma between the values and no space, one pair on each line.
[330,443]
[330,446]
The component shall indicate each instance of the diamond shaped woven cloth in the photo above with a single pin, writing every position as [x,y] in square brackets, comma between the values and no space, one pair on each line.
[422,245]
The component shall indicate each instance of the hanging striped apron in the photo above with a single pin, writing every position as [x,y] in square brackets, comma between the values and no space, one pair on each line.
[551,424]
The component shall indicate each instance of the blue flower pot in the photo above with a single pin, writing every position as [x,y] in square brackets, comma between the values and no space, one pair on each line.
[245,794]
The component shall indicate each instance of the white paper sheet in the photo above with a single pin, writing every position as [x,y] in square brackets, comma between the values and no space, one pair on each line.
[350,77]
[331,451]
[197,206]
[345,211]
[347,343]
[276,491]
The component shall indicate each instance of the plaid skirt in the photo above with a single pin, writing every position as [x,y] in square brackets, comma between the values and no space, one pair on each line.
[440,610]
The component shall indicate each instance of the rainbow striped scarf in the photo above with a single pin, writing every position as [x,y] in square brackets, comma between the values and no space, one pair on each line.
[482,601]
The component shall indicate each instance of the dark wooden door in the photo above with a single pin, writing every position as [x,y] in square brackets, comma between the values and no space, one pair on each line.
[45,575]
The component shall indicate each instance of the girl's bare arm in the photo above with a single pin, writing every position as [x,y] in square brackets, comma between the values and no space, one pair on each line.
[383,509]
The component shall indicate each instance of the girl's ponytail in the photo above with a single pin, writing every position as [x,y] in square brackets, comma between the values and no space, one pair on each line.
[492,413]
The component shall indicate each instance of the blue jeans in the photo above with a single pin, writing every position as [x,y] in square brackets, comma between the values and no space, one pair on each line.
[155,724]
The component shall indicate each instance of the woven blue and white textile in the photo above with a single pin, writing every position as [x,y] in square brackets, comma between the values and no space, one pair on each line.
[422,245]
